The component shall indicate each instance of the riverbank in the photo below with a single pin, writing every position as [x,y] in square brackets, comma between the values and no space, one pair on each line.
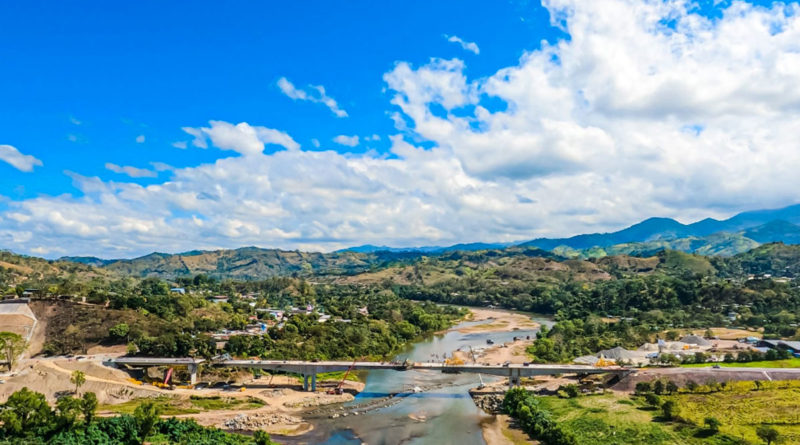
[497,320]
[282,412]
[499,431]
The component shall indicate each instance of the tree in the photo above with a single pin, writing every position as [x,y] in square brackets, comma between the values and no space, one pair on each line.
[78,378]
[12,346]
[658,387]
[88,407]
[262,438]
[119,331]
[668,409]
[652,400]
[672,387]
[712,424]
[68,409]
[25,413]
[768,434]
[643,387]
[146,416]
[571,390]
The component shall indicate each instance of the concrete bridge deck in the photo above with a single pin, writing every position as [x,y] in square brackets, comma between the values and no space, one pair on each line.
[309,370]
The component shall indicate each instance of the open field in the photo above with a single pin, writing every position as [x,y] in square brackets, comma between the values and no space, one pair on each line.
[741,407]
[729,334]
[612,419]
[789,363]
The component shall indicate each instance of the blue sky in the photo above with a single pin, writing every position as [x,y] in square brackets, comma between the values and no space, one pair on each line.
[468,126]
[150,68]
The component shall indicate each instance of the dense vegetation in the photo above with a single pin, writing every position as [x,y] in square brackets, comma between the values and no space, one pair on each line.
[534,419]
[670,290]
[392,322]
[154,321]
[27,418]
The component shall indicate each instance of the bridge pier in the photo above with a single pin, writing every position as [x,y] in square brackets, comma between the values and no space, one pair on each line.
[193,374]
[312,378]
[513,380]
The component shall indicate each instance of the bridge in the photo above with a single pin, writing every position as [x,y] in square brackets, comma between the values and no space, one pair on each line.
[309,370]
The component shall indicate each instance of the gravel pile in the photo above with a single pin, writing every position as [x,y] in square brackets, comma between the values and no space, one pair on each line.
[491,403]
[258,421]
[320,400]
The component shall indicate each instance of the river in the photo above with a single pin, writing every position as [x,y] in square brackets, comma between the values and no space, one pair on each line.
[443,413]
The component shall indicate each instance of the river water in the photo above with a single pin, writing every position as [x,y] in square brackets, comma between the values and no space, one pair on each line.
[443,413]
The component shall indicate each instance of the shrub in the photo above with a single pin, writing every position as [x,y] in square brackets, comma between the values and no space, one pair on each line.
[712,424]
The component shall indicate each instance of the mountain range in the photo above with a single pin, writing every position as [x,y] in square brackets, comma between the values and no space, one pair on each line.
[728,237]
[710,236]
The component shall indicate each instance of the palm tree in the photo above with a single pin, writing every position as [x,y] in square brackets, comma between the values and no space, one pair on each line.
[78,378]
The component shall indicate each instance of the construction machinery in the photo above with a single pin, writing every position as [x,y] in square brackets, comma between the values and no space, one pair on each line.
[339,388]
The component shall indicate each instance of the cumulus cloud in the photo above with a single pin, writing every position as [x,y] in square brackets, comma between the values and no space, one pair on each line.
[140,139]
[467,46]
[180,144]
[315,93]
[350,141]
[647,109]
[241,138]
[133,172]
[21,162]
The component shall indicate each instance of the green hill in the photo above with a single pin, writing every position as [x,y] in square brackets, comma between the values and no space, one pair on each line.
[33,272]
[250,263]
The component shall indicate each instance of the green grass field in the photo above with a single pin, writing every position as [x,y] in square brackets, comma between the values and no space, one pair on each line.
[618,419]
[788,363]
[173,406]
[741,408]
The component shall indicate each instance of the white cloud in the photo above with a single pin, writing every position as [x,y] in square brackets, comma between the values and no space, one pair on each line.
[199,140]
[350,141]
[180,144]
[467,46]
[161,167]
[626,119]
[74,121]
[133,172]
[241,138]
[140,139]
[316,94]
[315,142]
[21,162]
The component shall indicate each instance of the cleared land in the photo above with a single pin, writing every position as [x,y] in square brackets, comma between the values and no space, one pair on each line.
[498,321]
[789,363]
